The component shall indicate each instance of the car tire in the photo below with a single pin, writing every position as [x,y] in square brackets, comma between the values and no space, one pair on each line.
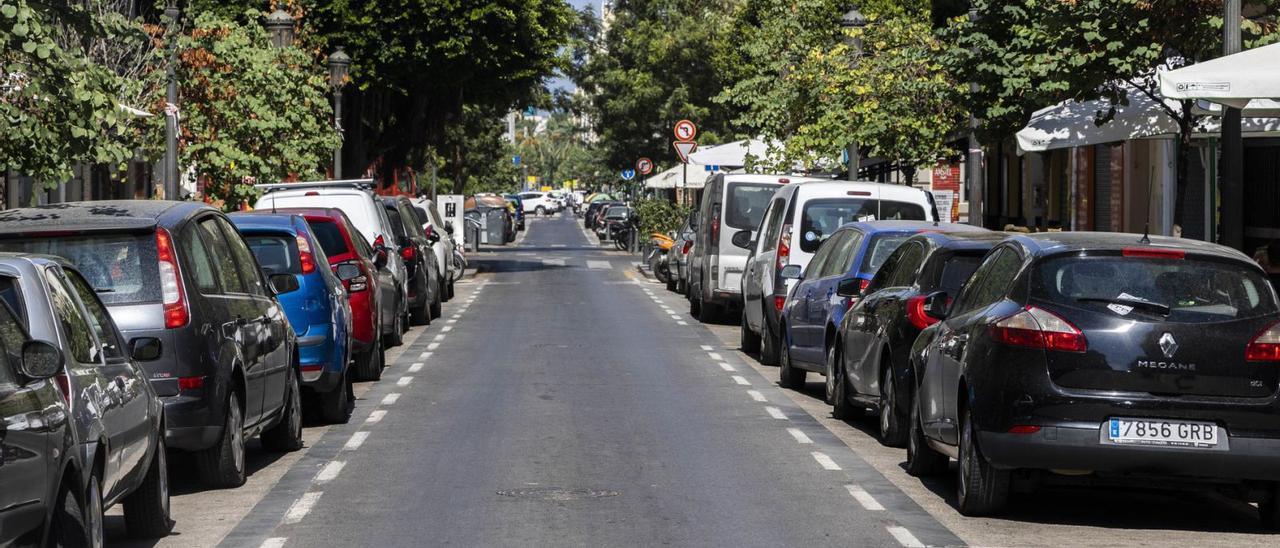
[671,283]
[336,406]
[922,460]
[449,293]
[837,388]
[750,341]
[71,525]
[892,433]
[286,436]
[769,346]
[540,211]
[981,489]
[369,364]
[421,315]
[788,375]
[222,466]
[695,305]
[146,509]
[1269,510]
[708,311]
[436,308]
[396,338]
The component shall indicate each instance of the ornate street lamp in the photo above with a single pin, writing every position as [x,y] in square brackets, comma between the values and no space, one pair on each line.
[853,19]
[339,65]
[280,25]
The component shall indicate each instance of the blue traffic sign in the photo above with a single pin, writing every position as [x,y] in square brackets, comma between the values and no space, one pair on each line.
[515,159]
[628,174]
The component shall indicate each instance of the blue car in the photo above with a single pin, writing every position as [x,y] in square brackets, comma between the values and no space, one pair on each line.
[318,310]
[832,283]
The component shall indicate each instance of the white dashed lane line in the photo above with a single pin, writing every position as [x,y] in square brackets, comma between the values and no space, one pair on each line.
[404,381]
[390,399]
[600,265]
[301,507]
[775,412]
[357,439]
[330,471]
[376,415]
[825,461]
[864,498]
[433,346]
[726,366]
[715,356]
[707,348]
[682,323]
[273,542]
[416,367]
[904,537]
[741,380]
[446,329]
[800,437]
[439,337]
[756,395]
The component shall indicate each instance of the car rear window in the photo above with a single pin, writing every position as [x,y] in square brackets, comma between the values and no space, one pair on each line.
[397,224]
[879,247]
[956,271]
[329,236]
[746,204]
[276,254]
[820,218]
[122,268]
[356,206]
[1184,291]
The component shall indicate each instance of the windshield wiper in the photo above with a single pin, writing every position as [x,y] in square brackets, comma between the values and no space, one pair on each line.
[104,290]
[1161,309]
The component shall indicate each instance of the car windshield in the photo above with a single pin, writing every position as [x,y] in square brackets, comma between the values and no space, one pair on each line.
[616,212]
[746,204]
[1185,291]
[879,247]
[820,218]
[276,254]
[122,268]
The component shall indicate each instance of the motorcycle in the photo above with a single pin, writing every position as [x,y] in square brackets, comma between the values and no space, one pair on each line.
[659,257]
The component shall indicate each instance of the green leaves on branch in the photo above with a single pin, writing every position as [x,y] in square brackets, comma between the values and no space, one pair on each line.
[660,215]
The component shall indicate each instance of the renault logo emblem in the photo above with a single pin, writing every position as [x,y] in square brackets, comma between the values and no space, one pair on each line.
[1168,345]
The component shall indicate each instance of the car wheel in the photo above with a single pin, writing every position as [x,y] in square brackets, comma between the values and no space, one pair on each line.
[769,347]
[223,464]
[421,315]
[671,283]
[436,307]
[695,304]
[837,387]
[708,311]
[789,376]
[369,364]
[892,434]
[1269,510]
[146,509]
[449,294]
[72,525]
[750,341]
[922,460]
[540,210]
[287,435]
[396,338]
[337,405]
[981,489]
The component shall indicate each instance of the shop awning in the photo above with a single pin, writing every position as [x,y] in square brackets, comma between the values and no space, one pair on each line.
[674,178]
[730,155]
[1233,80]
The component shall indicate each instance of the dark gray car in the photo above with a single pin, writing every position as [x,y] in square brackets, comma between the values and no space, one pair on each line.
[179,273]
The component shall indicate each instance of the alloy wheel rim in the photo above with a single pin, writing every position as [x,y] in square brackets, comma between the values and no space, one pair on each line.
[295,414]
[965,447]
[832,371]
[95,515]
[163,476]
[237,438]
[886,404]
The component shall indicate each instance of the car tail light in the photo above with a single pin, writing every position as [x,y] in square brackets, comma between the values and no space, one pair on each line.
[311,368]
[851,302]
[1024,429]
[1265,347]
[176,313]
[64,386]
[409,252]
[190,383]
[1153,253]
[778,302]
[428,230]
[358,283]
[715,230]
[858,193]
[783,255]
[1033,327]
[688,244]
[306,257]
[916,315]
[379,242]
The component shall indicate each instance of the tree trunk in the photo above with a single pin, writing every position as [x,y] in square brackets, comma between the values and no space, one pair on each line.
[459,171]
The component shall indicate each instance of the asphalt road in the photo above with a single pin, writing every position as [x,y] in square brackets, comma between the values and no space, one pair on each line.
[565,400]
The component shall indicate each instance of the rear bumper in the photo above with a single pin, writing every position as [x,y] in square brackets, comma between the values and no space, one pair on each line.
[191,424]
[1080,448]
[321,359]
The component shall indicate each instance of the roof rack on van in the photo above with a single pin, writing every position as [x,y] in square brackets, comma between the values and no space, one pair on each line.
[361,184]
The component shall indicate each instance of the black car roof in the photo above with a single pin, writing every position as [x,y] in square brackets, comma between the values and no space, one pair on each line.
[960,241]
[97,215]
[1052,243]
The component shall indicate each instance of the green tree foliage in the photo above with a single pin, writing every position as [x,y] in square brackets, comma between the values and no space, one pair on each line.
[660,215]
[250,113]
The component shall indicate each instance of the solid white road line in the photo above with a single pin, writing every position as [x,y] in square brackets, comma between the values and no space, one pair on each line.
[775,413]
[707,348]
[416,367]
[600,265]
[433,346]
[273,542]
[741,380]
[301,507]
[800,437]
[404,381]
[376,415]
[756,395]
[825,461]
[714,356]
[726,366]
[390,398]
[864,498]
[904,537]
[330,471]
[357,439]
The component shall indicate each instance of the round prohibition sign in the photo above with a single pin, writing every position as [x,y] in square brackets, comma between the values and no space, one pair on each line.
[685,130]
[644,166]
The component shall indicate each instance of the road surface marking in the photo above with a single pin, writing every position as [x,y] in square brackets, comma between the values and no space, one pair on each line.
[600,265]
[451,320]
[741,380]
[553,262]
[376,415]
[708,348]
[558,245]
[775,413]
[357,439]
[714,356]
[330,471]
[455,317]
[390,398]
[424,355]
[726,366]
[433,346]
[682,323]
[301,507]
[825,461]
[404,381]
[446,329]
[864,498]
[675,316]
[439,337]
[756,395]
[905,538]
[273,542]
[800,437]
[416,367]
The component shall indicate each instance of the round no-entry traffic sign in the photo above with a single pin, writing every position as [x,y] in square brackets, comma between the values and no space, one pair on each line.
[685,130]
[644,166]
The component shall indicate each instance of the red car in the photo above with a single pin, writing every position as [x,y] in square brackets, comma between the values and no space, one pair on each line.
[354,262]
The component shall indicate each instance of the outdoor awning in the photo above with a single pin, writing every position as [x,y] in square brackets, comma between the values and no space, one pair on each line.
[730,155]
[1233,80]
[674,178]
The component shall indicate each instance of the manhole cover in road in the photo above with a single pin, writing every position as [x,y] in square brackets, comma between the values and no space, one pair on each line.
[557,493]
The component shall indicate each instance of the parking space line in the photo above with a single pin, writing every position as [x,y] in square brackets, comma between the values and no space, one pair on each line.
[301,507]
[424,355]
[390,398]
[273,542]
[726,367]
[454,319]
[446,329]
[775,413]
[714,356]
[864,498]
[439,337]
[404,381]
[904,537]
[675,317]
[357,439]
[433,346]
[825,461]
[800,437]
[741,380]
[330,471]
[707,348]
[416,367]
[682,323]
[376,415]
[756,395]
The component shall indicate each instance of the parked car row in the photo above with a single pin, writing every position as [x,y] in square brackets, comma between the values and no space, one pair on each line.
[1029,359]
[133,328]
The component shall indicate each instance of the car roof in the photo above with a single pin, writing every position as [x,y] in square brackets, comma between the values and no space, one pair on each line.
[758,178]
[266,219]
[964,240]
[104,215]
[885,190]
[876,227]
[1053,243]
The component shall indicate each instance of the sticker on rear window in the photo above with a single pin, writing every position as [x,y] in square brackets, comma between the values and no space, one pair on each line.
[866,218]
[1120,309]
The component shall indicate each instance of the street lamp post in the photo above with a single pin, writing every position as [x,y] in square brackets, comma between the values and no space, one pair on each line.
[853,19]
[280,25]
[339,64]
[171,15]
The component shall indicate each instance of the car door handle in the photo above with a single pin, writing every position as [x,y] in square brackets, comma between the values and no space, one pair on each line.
[241,321]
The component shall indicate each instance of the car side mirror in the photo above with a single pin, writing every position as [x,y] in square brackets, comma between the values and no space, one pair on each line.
[380,257]
[849,287]
[936,305]
[347,272]
[449,228]
[284,283]
[145,349]
[41,360]
[791,272]
[742,239]
[433,237]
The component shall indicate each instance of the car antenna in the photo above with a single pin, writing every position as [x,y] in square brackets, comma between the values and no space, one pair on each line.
[1146,228]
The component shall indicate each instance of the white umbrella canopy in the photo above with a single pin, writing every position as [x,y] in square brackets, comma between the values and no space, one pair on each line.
[731,155]
[1233,80]
[674,178]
